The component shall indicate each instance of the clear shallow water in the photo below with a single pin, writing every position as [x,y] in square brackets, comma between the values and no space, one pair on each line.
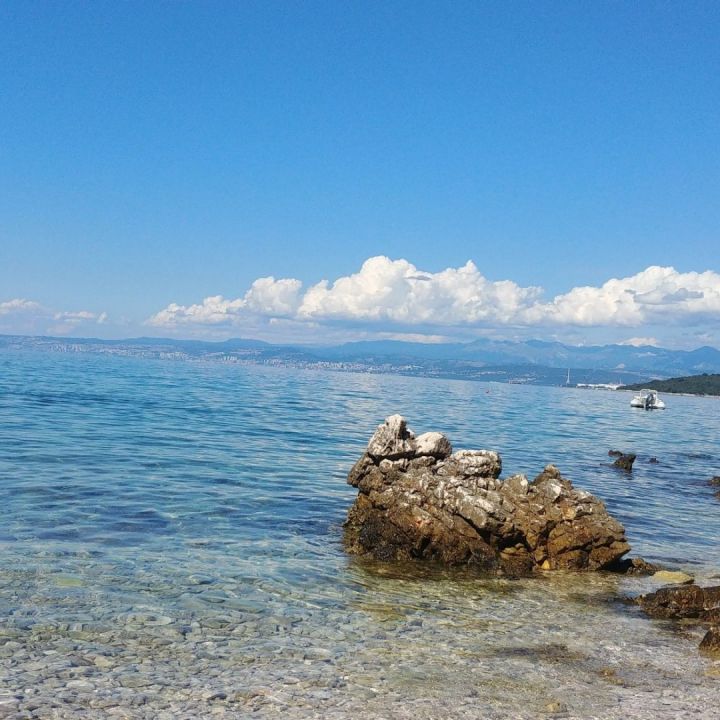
[170,546]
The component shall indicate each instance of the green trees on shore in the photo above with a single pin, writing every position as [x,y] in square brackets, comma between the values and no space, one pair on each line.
[704,384]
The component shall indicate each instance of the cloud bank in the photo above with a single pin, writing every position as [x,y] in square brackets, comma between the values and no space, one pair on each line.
[395,294]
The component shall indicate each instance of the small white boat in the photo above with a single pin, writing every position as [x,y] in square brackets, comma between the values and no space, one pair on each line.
[647,400]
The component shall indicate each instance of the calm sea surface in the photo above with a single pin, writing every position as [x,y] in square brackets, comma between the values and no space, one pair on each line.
[170,547]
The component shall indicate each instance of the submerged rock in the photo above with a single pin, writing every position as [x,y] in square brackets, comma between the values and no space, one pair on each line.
[685,601]
[715,480]
[625,461]
[418,499]
[673,577]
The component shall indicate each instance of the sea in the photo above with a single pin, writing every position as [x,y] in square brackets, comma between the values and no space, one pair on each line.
[171,547]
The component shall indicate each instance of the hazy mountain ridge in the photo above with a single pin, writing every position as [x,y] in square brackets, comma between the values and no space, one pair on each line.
[648,359]
[603,363]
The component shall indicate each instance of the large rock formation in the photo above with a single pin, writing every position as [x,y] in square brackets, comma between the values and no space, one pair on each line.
[418,499]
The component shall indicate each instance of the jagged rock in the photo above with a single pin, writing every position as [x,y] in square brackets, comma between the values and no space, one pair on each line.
[392,440]
[418,499]
[625,461]
[685,601]
[715,480]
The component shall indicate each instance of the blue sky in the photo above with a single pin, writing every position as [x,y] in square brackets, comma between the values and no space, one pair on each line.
[153,155]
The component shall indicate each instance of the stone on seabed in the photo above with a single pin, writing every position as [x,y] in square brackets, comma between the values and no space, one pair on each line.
[672,577]
[419,500]
[711,642]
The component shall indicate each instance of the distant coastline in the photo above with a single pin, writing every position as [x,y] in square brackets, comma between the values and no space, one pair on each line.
[530,362]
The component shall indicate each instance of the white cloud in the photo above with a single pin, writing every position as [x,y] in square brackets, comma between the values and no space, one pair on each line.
[657,294]
[27,317]
[395,291]
[640,341]
[266,297]
[19,306]
[395,296]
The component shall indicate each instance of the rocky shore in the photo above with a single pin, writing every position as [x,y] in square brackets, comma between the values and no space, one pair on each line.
[417,499]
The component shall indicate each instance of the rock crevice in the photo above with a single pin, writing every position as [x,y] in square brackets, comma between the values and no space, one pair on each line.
[417,499]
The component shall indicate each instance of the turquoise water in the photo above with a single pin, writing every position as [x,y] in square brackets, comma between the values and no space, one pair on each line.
[170,546]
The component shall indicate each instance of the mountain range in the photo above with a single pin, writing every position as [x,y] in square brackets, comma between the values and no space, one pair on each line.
[595,363]
[642,359]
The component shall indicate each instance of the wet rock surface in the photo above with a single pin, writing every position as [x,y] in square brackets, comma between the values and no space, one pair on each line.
[625,461]
[418,499]
[686,601]
[633,566]
[673,577]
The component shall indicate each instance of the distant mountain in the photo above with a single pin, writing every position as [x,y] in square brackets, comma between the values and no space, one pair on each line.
[643,359]
[616,363]
[694,384]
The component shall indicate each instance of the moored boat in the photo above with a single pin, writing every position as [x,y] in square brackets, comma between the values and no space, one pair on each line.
[648,400]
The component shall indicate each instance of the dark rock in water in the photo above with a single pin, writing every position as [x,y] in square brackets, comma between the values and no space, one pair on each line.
[417,499]
[711,642]
[687,601]
[633,566]
[714,481]
[717,494]
[625,461]
[614,453]
[653,461]
[683,601]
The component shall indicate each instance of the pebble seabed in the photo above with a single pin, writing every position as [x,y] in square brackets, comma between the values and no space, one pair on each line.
[118,640]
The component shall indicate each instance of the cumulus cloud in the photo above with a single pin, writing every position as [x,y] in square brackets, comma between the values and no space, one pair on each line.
[383,290]
[390,294]
[394,291]
[266,297]
[25,317]
[657,294]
